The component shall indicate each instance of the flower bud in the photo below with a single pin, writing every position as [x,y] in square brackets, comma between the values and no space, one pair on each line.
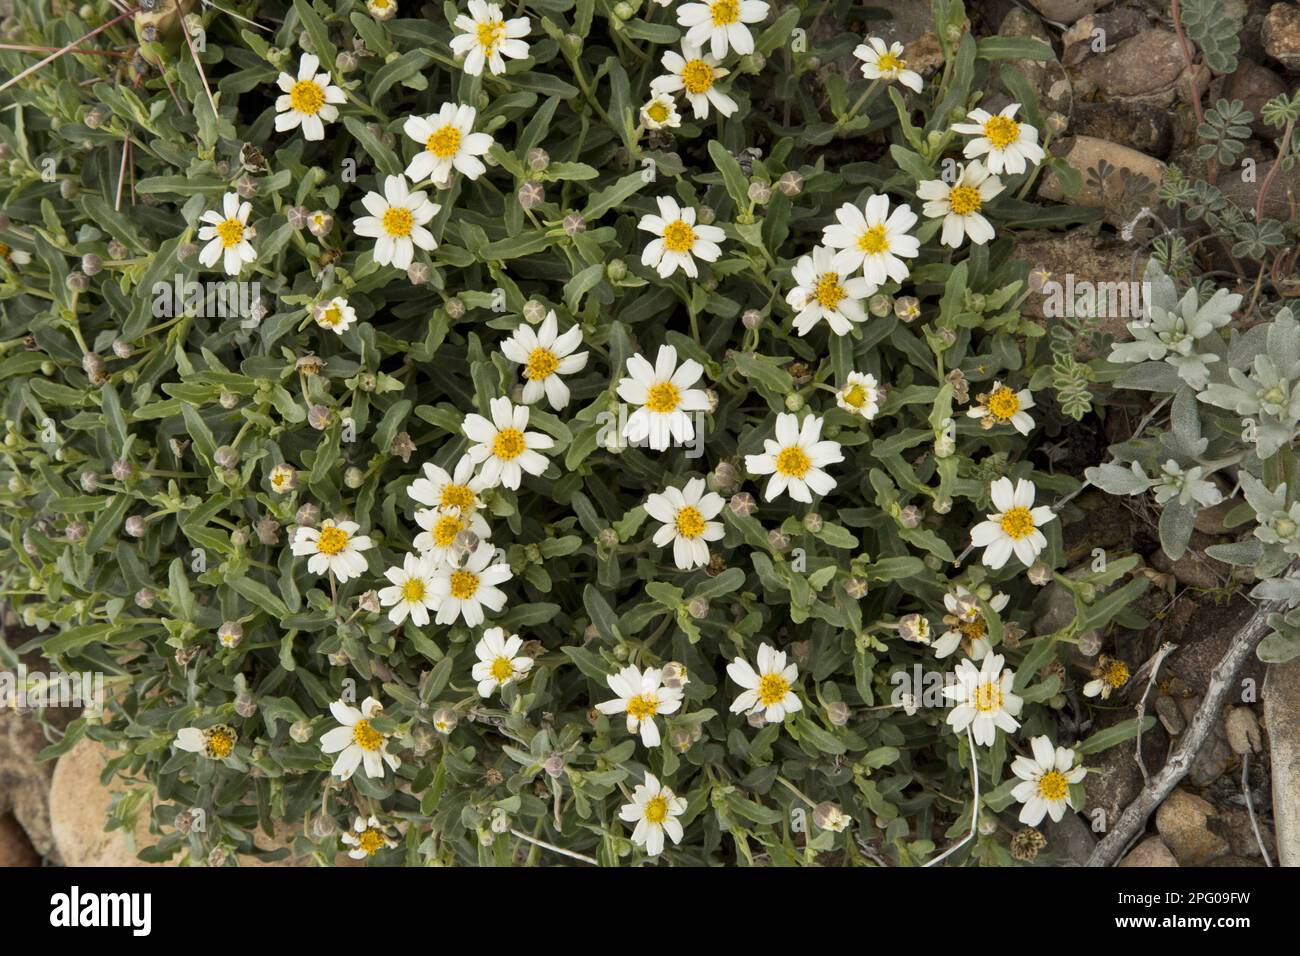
[880,305]
[537,159]
[445,720]
[828,816]
[531,195]
[751,318]
[742,504]
[319,417]
[534,312]
[300,732]
[698,608]
[812,522]
[616,270]
[790,183]
[307,516]
[144,598]
[134,526]
[838,713]
[759,192]
[910,516]
[230,634]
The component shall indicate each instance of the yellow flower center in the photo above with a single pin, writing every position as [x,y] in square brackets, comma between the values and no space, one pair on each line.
[1003,403]
[365,736]
[888,63]
[874,241]
[464,585]
[855,396]
[690,523]
[772,689]
[331,541]
[509,444]
[697,76]
[1001,131]
[642,706]
[490,34]
[973,630]
[220,741]
[397,221]
[964,200]
[988,697]
[445,530]
[679,236]
[230,232]
[372,841]
[1115,673]
[542,363]
[502,669]
[457,496]
[793,462]
[657,111]
[662,398]
[307,97]
[725,12]
[656,809]
[444,142]
[828,292]
[1053,785]
[330,316]
[1017,523]
[413,590]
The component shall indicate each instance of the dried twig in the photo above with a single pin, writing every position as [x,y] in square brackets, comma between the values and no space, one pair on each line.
[975,804]
[1222,678]
[1154,664]
[1250,807]
[528,838]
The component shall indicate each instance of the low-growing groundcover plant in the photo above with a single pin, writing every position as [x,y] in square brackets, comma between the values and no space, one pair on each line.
[549,432]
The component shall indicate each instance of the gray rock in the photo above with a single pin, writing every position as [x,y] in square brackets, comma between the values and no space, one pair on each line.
[1168,713]
[1254,85]
[16,849]
[1183,824]
[1242,730]
[1202,635]
[1282,721]
[1127,190]
[1097,33]
[1195,569]
[1141,126]
[1282,191]
[1067,11]
[1281,34]
[1150,852]
[1069,840]
[1146,68]
[1113,779]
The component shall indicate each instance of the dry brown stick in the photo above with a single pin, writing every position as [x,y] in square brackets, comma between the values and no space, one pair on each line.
[1222,678]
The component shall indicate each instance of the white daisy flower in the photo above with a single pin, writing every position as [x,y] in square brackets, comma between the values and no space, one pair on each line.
[486,37]
[960,204]
[503,449]
[464,592]
[499,661]
[356,741]
[695,74]
[1003,405]
[767,690]
[966,625]
[438,489]
[881,62]
[873,239]
[440,528]
[685,513]
[546,356]
[396,221]
[1112,674]
[722,24]
[860,395]
[642,696]
[14,257]
[382,9]
[824,292]
[216,742]
[795,459]
[449,143]
[1046,779]
[660,111]
[367,838]
[336,315]
[678,241]
[1009,143]
[334,547]
[411,592]
[664,395]
[310,101]
[654,809]
[1014,528]
[227,234]
[982,699]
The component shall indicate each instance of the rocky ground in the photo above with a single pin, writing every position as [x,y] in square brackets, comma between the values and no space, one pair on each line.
[1126,108]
